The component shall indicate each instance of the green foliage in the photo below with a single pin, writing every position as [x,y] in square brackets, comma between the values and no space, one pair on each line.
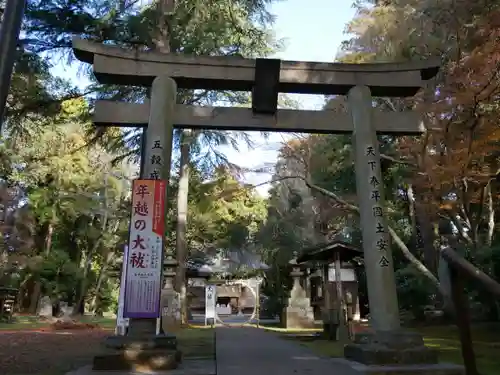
[224,27]
[223,214]
[65,191]
[59,276]
[413,291]
[447,175]
[63,180]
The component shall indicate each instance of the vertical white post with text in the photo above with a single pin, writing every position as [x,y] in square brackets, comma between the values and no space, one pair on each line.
[210,299]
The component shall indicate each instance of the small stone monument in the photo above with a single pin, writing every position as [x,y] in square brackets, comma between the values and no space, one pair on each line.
[45,307]
[170,299]
[298,313]
[66,312]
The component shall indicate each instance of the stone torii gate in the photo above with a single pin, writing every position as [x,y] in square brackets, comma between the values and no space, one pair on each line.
[398,351]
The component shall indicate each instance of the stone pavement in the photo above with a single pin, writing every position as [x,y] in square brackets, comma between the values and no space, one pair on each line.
[253,351]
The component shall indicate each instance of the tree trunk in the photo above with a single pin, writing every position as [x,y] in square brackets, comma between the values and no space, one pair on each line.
[490,211]
[415,262]
[47,244]
[80,296]
[100,280]
[162,35]
[182,208]
[431,255]
[462,317]
[35,297]
[4,254]
[102,272]
[412,214]
[48,238]
[79,307]
[4,260]
[445,281]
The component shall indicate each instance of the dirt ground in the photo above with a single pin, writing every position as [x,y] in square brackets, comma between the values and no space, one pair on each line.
[48,352]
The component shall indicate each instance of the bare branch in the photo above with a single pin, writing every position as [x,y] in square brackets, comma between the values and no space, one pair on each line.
[396,161]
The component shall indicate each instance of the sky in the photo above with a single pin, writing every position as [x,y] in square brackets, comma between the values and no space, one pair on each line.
[312,32]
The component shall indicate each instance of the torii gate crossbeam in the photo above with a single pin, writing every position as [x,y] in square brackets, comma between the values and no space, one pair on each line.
[114,65]
[112,113]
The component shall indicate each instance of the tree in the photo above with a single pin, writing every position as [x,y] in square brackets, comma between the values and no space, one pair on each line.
[453,167]
[197,27]
[58,184]
[449,173]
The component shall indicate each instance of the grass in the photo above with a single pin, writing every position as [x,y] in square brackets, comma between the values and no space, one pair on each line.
[306,338]
[286,331]
[486,340]
[105,323]
[23,322]
[444,338]
[31,322]
[196,342]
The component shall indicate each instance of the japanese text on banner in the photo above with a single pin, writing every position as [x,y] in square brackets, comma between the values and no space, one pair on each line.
[142,289]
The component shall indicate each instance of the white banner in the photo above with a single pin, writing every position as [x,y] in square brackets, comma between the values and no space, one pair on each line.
[210,299]
[144,266]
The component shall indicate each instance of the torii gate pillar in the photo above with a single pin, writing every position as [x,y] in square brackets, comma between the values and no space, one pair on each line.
[384,313]
[386,349]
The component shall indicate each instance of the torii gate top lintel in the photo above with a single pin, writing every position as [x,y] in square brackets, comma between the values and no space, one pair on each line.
[115,65]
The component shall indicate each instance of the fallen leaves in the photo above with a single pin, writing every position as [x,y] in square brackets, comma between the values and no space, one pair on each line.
[48,352]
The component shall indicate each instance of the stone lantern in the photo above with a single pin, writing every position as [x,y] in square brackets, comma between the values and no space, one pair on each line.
[170,301]
[298,312]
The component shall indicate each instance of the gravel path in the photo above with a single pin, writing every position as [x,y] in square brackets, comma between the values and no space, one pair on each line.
[252,351]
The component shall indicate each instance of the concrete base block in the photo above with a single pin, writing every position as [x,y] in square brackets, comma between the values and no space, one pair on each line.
[298,317]
[356,368]
[141,352]
[370,355]
[390,348]
[141,342]
[394,353]
[137,360]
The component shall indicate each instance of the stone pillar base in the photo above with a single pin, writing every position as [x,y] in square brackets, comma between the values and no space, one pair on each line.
[298,317]
[330,324]
[356,368]
[395,352]
[390,348]
[138,353]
